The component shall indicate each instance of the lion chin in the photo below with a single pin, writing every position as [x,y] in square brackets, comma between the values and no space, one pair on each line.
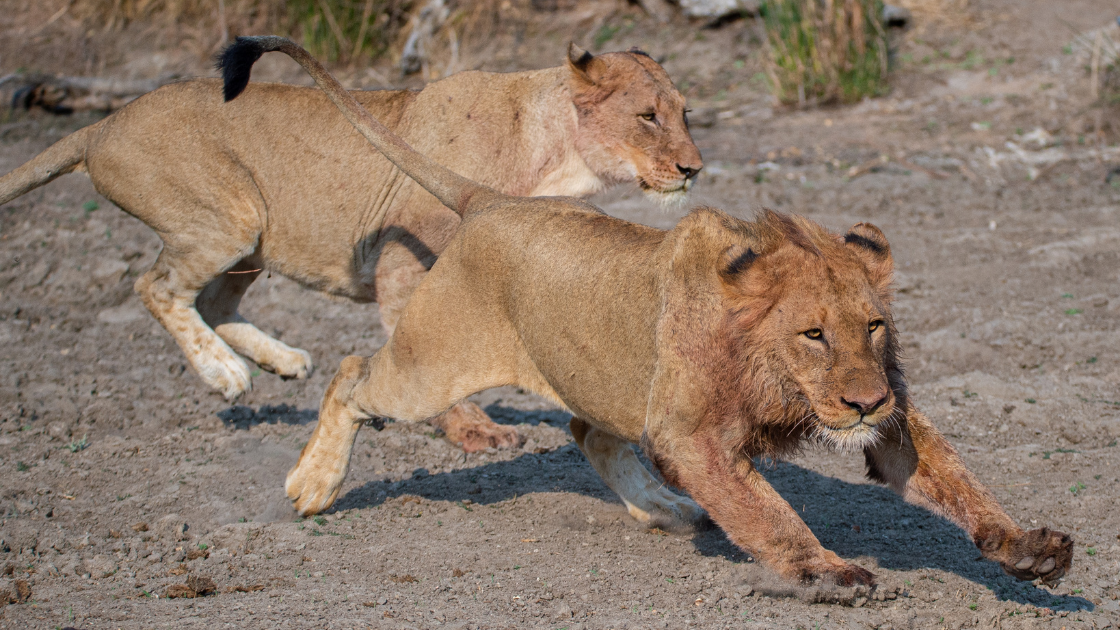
[851,439]
[669,197]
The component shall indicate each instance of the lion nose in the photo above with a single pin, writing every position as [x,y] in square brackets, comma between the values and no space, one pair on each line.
[688,171]
[865,402]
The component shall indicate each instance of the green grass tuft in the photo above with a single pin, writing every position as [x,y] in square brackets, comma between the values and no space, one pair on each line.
[824,51]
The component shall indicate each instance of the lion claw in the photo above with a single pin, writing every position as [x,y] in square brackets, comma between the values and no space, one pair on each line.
[1040,553]
[470,428]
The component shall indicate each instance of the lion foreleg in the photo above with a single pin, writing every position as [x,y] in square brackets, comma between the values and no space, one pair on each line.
[753,514]
[920,464]
[647,500]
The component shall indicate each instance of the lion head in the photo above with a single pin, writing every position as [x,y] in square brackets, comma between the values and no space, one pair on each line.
[783,331]
[632,122]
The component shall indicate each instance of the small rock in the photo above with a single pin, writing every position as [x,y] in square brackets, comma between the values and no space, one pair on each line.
[171,527]
[122,314]
[58,430]
[140,527]
[110,271]
[35,276]
[176,591]
[99,566]
[22,590]
[562,612]
[201,585]
[718,8]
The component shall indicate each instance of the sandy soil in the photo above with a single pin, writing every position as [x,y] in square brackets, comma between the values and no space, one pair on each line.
[121,476]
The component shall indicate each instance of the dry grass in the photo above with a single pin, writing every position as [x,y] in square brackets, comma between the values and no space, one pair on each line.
[951,14]
[823,51]
[336,30]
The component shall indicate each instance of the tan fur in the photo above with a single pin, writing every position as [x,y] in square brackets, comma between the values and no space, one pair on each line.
[278,181]
[711,343]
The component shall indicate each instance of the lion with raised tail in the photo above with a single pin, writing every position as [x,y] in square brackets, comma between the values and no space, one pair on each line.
[709,344]
[279,182]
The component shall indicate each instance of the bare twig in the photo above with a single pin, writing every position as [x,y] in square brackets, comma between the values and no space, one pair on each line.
[1095,66]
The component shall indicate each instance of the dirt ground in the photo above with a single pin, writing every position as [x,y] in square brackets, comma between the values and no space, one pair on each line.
[122,476]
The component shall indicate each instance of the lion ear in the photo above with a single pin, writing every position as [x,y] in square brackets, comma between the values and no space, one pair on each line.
[869,243]
[736,259]
[581,62]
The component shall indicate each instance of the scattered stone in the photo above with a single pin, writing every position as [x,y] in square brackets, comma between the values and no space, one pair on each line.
[110,271]
[203,585]
[140,527]
[58,430]
[122,314]
[171,527]
[562,612]
[22,590]
[99,566]
[719,8]
[176,591]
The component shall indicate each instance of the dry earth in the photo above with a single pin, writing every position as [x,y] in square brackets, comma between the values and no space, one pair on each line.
[121,476]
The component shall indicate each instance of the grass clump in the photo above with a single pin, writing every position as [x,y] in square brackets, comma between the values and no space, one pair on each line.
[335,30]
[344,30]
[825,51]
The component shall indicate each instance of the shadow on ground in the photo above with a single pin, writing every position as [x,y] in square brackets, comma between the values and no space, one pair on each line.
[870,520]
[851,519]
[243,417]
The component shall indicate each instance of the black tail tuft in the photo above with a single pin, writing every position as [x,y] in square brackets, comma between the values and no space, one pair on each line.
[236,63]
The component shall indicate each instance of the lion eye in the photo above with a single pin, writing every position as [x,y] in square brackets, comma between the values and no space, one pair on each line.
[875,325]
[814,333]
[651,116]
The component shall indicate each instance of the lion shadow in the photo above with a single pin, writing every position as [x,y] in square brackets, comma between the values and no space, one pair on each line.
[851,519]
[243,417]
[870,520]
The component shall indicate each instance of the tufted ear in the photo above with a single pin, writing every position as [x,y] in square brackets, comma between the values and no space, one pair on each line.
[870,245]
[736,259]
[582,63]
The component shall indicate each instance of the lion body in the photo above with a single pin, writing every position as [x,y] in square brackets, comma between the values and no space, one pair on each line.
[709,344]
[325,205]
[278,181]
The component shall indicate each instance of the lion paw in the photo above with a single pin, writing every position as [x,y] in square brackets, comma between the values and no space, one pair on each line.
[468,426]
[291,363]
[670,512]
[313,483]
[226,373]
[835,571]
[1039,553]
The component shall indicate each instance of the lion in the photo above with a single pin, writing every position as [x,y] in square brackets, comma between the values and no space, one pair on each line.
[279,182]
[708,344]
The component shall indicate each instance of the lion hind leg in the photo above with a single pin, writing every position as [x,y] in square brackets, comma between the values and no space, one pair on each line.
[414,377]
[647,500]
[169,290]
[218,304]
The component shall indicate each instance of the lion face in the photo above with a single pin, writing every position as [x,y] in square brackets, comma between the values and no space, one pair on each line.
[822,311]
[633,123]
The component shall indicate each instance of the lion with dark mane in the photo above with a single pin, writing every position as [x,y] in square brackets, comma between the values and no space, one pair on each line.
[709,344]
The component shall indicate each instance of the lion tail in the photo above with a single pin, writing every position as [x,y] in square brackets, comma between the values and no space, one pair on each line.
[454,191]
[64,156]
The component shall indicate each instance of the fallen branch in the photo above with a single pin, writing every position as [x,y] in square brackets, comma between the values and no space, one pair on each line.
[64,95]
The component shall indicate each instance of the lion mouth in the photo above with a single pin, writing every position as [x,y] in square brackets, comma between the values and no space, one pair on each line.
[678,186]
[668,197]
[854,437]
